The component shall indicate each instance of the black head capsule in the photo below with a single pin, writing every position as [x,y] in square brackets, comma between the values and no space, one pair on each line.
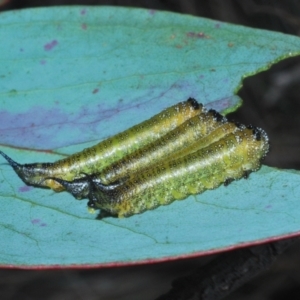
[217,116]
[257,134]
[239,125]
[195,104]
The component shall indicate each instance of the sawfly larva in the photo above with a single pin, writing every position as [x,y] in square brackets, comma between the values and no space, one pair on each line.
[94,159]
[180,143]
[232,157]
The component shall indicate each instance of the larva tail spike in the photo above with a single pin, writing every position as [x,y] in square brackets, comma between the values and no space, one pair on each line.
[16,166]
[79,188]
[31,174]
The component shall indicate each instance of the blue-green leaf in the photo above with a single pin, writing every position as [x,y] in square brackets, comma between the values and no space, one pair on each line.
[71,76]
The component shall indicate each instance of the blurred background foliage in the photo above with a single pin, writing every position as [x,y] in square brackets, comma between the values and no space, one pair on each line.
[270,101]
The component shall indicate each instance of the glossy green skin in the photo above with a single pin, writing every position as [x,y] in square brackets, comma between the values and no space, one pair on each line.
[230,158]
[196,133]
[94,159]
[171,144]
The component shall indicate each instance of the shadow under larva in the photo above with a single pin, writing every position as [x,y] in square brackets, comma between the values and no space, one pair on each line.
[94,159]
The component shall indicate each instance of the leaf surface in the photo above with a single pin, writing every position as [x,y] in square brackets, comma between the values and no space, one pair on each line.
[72,76]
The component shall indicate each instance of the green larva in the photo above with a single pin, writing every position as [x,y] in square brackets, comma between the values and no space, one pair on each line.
[192,135]
[230,158]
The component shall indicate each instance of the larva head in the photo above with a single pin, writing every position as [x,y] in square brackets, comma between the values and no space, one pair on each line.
[217,116]
[261,136]
[255,146]
[194,103]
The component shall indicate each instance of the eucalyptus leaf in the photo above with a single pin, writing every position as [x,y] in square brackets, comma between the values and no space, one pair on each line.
[72,76]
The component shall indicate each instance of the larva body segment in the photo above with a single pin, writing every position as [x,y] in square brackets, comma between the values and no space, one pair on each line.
[95,158]
[177,141]
[214,136]
[230,158]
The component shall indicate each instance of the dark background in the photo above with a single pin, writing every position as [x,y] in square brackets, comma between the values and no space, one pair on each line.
[270,101]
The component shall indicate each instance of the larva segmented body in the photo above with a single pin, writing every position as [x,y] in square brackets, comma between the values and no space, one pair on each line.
[95,158]
[175,142]
[196,133]
[230,158]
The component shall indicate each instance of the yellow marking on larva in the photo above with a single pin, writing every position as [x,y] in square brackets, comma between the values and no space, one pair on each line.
[94,159]
[229,158]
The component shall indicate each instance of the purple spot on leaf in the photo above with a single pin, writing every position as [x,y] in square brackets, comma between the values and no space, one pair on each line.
[42,62]
[83,12]
[152,12]
[20,126]
[84,26]
[221,104]
[200,35]
[51,45]
[217,25]
[38,222]
[268,206]
[95,91]
[25,188]
[38,127]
